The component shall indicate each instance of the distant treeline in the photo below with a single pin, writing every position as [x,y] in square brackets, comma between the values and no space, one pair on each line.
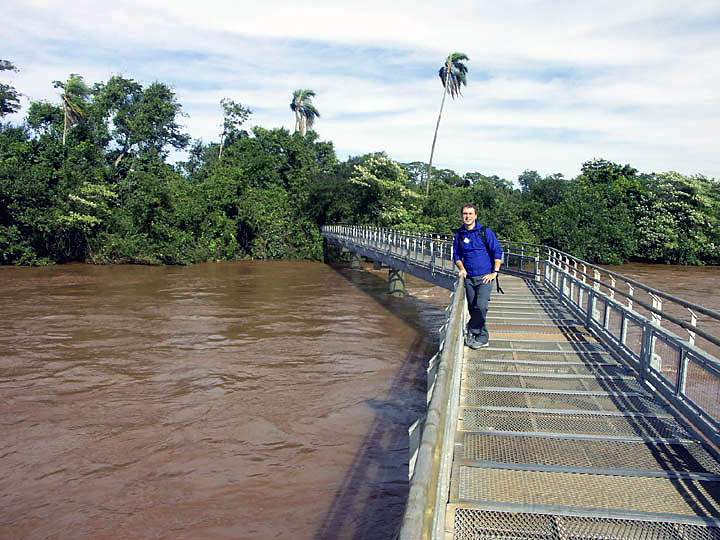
[88,179]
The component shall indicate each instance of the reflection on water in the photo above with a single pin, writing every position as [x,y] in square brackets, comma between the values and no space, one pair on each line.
[231,400]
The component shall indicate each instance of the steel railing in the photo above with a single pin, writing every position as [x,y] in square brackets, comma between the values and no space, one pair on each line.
[657,332]
[432,252]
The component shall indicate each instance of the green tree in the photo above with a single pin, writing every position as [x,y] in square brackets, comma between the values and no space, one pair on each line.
[305,111]
[9,97]
[45,119]
[594,220]
[144,120]
[416,171]
[453,75]
[527,180]
[387,199]
[234,116]
[677,220]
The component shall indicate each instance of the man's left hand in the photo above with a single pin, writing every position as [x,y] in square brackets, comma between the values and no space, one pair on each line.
[487,278]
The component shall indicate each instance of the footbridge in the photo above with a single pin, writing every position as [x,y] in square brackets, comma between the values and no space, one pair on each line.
[594,413]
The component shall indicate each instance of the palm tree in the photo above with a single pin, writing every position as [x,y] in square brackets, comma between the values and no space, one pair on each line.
[453,74]
[74,94]
[305,111]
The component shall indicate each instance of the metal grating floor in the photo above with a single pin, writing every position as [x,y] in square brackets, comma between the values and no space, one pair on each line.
[556,439]
[562,368]
[479,524]
[590,491]
[587,384]
[647,427]
[550,356]
[688,457]
[521,344]
[555,328]
[559,401]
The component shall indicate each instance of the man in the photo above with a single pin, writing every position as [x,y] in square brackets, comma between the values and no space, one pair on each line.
[478,255]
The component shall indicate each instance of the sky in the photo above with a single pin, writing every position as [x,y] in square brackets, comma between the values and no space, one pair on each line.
[551,84]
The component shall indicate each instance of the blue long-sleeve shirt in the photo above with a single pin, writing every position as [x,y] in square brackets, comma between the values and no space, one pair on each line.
[469,247]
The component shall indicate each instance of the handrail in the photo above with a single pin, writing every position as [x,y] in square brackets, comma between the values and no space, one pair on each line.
[663,314]
[685,303]
[428,486]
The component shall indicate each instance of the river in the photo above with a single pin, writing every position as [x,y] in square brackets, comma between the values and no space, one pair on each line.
[229,400]
[218,401]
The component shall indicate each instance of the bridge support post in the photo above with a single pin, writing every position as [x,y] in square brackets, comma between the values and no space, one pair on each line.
[355,262]
[377,265]
[396,282]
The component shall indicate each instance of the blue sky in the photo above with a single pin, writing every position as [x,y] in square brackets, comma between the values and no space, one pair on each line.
[550,84]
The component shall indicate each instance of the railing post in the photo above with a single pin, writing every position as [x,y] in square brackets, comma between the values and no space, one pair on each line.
[646,351]
[682,372]
[606,315]
[590,308]
[656,304]
[693,322]
[656,320]
[549,266]
[558,269]
[623,320]
[563,275]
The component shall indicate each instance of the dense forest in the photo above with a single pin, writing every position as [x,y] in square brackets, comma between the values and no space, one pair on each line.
[88,179]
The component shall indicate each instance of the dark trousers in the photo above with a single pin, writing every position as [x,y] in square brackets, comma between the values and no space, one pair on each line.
[478,298]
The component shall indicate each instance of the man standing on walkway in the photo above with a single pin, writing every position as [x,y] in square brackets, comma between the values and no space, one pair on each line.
[478,255]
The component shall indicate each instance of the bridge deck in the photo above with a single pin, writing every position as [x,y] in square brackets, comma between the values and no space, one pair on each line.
[556,438]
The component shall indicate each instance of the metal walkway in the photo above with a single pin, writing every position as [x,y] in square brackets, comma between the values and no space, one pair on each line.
[556,438]
[594,414]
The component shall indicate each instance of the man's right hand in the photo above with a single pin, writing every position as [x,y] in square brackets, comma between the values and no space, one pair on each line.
[462,273]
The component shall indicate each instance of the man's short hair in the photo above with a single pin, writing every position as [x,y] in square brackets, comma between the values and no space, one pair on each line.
[468,206]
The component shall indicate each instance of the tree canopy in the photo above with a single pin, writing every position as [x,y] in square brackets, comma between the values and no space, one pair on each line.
[89,178]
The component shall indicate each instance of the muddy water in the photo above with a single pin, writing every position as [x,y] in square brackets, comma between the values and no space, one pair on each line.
[233,400]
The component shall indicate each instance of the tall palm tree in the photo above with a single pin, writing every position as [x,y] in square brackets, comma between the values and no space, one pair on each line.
[453,74]
[305,111]
[75,92]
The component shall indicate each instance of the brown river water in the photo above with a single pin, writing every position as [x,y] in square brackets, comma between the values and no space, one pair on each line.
[230,400]
[218,401]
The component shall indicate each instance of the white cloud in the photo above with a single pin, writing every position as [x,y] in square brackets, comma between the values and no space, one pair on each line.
[551,84]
